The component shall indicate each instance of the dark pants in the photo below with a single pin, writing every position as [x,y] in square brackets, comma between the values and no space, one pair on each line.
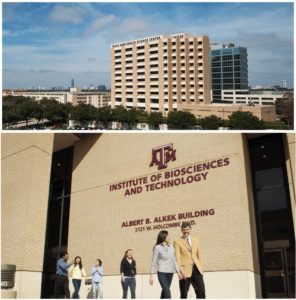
[76,284]
[131,283]
[197,282]
[62,284]
[165,280]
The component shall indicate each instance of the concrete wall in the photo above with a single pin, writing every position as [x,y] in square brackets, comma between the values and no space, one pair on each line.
[225,285]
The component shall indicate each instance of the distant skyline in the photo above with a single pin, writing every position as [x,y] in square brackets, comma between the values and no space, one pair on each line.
[50,43]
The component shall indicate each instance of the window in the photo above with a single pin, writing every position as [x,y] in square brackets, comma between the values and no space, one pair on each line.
[57,218]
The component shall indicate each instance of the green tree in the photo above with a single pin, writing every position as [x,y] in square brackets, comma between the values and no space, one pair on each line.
[120,114]
[67,108]
[154,120]
[83,113]
[285,108]
[132,118]
[28,109]
[53,110]
[104,116]
[211,122]
[181,120]
[10,115]
[142,116]
[244,121]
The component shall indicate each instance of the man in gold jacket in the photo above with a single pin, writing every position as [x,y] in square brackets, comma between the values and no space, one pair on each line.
[190,264]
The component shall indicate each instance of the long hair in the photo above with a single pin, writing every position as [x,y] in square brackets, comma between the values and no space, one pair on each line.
[125,253]
[80,263]
[162,235]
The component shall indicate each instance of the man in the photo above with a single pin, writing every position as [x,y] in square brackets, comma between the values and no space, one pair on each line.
[189,261]
[62,281]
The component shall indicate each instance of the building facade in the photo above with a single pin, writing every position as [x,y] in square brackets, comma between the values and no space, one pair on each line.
[257,97]
[237,190]
[229,65]
[160,73]
[223,111]
[74,96]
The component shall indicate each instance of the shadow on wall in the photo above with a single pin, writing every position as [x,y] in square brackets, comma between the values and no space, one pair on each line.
[89,139]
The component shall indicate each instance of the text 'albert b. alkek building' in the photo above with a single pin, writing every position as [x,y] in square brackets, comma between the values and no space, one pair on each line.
[96,195]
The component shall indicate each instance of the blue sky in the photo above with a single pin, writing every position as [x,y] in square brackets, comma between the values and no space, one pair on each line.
[48,44]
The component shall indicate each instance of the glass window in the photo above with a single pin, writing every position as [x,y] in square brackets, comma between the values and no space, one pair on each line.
[271,199]
[269,178]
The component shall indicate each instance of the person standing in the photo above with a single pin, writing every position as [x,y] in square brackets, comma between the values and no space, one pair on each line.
[165,260]
[77,271]
[62,280]
[97,273]
[128,273]
[189,261]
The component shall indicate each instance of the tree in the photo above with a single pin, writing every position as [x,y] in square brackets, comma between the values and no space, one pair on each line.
[244,121]
[120,114]
[181,120]
[67,108]
[142,115]
[104,116]
[155,119]
[285,108]
[28,109]
[132,118]
[10,115]
[83,112]
[53,110]
[211,122]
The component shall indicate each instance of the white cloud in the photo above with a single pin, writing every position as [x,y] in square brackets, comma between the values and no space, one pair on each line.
[100,22]
[67,14]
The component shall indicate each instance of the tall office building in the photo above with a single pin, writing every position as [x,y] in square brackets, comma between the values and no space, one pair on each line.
[161,73]
[72,83]
[229,69]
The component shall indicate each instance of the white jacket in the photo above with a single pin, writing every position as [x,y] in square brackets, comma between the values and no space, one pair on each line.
[76,272]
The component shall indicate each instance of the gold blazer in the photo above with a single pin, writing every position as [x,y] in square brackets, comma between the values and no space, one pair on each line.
[186,257]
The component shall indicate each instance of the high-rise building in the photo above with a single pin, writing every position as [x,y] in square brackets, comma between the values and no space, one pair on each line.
[160,73]
[72,83]
[229,69]
[284,83]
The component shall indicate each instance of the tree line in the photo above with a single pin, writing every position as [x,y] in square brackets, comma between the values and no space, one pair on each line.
[23,109]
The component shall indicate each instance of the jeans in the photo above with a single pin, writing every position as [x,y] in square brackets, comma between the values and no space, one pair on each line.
[76,284]
[129,282]
[197,282]
[165,280]
[62,283]
[97,286]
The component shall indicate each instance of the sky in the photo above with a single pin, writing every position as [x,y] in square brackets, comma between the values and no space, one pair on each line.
[50,43]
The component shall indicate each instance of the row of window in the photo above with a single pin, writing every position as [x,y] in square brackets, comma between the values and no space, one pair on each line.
[226,87]
[229,75]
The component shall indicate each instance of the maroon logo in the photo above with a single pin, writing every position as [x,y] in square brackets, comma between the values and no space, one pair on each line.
[162,155]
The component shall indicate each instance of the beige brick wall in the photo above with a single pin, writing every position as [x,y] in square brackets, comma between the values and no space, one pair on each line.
[97,214]
[26,166]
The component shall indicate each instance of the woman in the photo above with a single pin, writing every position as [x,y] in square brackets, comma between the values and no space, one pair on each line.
[97,273]
[165,260]
[128,273]
[76,271]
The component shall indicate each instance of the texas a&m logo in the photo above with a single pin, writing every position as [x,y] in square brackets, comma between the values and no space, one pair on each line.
[162,155]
